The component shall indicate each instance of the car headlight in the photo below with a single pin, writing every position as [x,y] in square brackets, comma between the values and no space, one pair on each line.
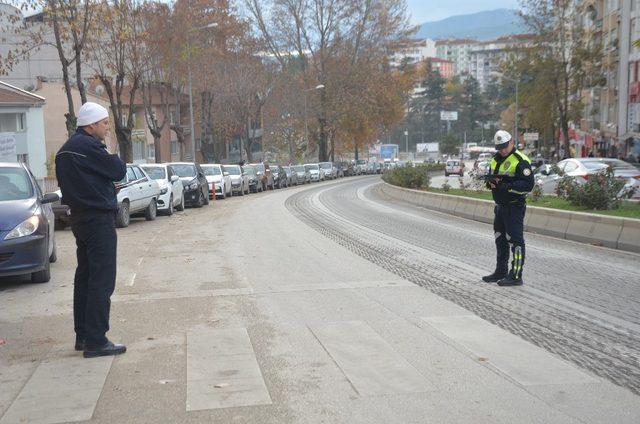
[164,191]
[25,228]
[193,186]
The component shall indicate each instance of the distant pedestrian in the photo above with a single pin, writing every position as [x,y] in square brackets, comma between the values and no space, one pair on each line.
[86,173]
[512,179]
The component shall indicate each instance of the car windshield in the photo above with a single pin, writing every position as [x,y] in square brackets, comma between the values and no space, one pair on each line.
[249,170]
[232,169]
[259,168]
[155,172]
[452,163]
[325,165]
[299,168]
[311,167]
[361,162]
[183,170]
[211,170]
[14,184]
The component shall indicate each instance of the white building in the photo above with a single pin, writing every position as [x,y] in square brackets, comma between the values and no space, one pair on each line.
[487,57]
[414,52]
[457,51]
[22,129]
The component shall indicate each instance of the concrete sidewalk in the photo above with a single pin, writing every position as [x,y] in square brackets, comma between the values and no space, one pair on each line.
[229,317]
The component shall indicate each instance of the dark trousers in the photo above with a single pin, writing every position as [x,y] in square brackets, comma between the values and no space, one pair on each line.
[95,278]
[508,226]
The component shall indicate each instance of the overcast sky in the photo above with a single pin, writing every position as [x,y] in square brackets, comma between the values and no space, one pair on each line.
[433,10]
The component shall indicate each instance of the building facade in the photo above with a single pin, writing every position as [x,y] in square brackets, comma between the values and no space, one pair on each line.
[22,129]
[457,51]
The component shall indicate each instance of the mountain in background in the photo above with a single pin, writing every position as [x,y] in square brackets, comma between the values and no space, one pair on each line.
[482,25]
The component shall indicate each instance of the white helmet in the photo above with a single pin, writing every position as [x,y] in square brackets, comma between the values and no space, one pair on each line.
[501,139]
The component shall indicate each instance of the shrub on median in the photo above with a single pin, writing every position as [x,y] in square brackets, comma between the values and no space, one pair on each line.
[416,177]
[602,191]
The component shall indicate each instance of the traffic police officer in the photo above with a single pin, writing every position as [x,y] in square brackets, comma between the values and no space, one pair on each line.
[510,180]
[86,172]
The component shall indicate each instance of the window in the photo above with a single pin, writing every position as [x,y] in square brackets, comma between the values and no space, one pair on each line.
[131,176]
[138,149]
[13,122]
[173,116]
[174,147]
[138,172]
[570,167]
[151,154]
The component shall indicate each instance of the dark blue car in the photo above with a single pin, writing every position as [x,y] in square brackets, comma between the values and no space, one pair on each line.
[27,244]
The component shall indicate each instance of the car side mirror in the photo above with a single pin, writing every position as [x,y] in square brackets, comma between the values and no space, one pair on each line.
[50,198]
[174,178]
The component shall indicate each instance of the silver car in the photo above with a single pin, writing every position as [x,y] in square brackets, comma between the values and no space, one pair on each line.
[239,179]
[304,176]
[583,168]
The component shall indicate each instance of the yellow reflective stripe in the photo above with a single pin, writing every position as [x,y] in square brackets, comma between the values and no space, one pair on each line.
[518,192]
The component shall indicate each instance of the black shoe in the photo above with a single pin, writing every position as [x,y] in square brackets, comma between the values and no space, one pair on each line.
[109,349]
[495,277]
[509,280]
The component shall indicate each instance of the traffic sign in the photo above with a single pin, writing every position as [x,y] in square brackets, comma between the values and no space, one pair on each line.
[448,115]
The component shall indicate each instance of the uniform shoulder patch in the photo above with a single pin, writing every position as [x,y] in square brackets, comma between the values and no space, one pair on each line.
[526,172]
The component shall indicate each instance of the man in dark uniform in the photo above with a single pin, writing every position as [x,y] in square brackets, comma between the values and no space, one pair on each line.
[510,180]
[86,172]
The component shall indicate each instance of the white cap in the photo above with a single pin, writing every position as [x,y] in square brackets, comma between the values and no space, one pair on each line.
[501,139]
[90,113]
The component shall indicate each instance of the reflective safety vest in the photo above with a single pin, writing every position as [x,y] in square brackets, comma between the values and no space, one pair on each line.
[517,179]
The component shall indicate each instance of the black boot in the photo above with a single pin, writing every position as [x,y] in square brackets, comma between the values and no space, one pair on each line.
[511,280]
[109,349]
[495,277]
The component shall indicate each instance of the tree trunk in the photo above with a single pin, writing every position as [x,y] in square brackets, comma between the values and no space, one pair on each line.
[123,135]
[156,146]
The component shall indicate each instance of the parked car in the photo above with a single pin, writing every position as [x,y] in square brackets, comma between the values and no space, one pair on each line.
[239,179]
[171,188]
[219,184]
[265,176]
[137,194]
[361,167]
[347,169]
[584,168]
[483,168]
[27,238]
[454,166]
[255,185]
[292,177]
[302,173]
[280,178]
[196,187]
[316,173]
[330,171]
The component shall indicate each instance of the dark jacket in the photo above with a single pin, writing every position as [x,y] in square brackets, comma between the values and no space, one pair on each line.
[517,177]
[86,172]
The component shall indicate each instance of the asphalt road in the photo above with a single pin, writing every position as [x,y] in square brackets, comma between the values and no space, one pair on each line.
[329,303]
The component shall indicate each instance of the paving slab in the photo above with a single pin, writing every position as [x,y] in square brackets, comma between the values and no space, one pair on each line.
[222,370]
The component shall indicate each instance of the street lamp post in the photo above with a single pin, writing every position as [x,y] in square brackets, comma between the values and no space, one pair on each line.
[406,142]
[306,124]
[191,126]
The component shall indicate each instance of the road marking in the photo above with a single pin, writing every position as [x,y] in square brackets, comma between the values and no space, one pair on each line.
[514,357]
[372,366]
[132,280]
[62,389]
[222,370]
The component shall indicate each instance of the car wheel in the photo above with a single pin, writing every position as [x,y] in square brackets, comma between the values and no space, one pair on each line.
[54,253]
[446,174]
[122,216]
[42,276]
[152,211]
[170,210]
[180,207]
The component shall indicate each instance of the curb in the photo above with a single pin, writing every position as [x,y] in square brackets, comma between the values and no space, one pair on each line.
[609,231]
